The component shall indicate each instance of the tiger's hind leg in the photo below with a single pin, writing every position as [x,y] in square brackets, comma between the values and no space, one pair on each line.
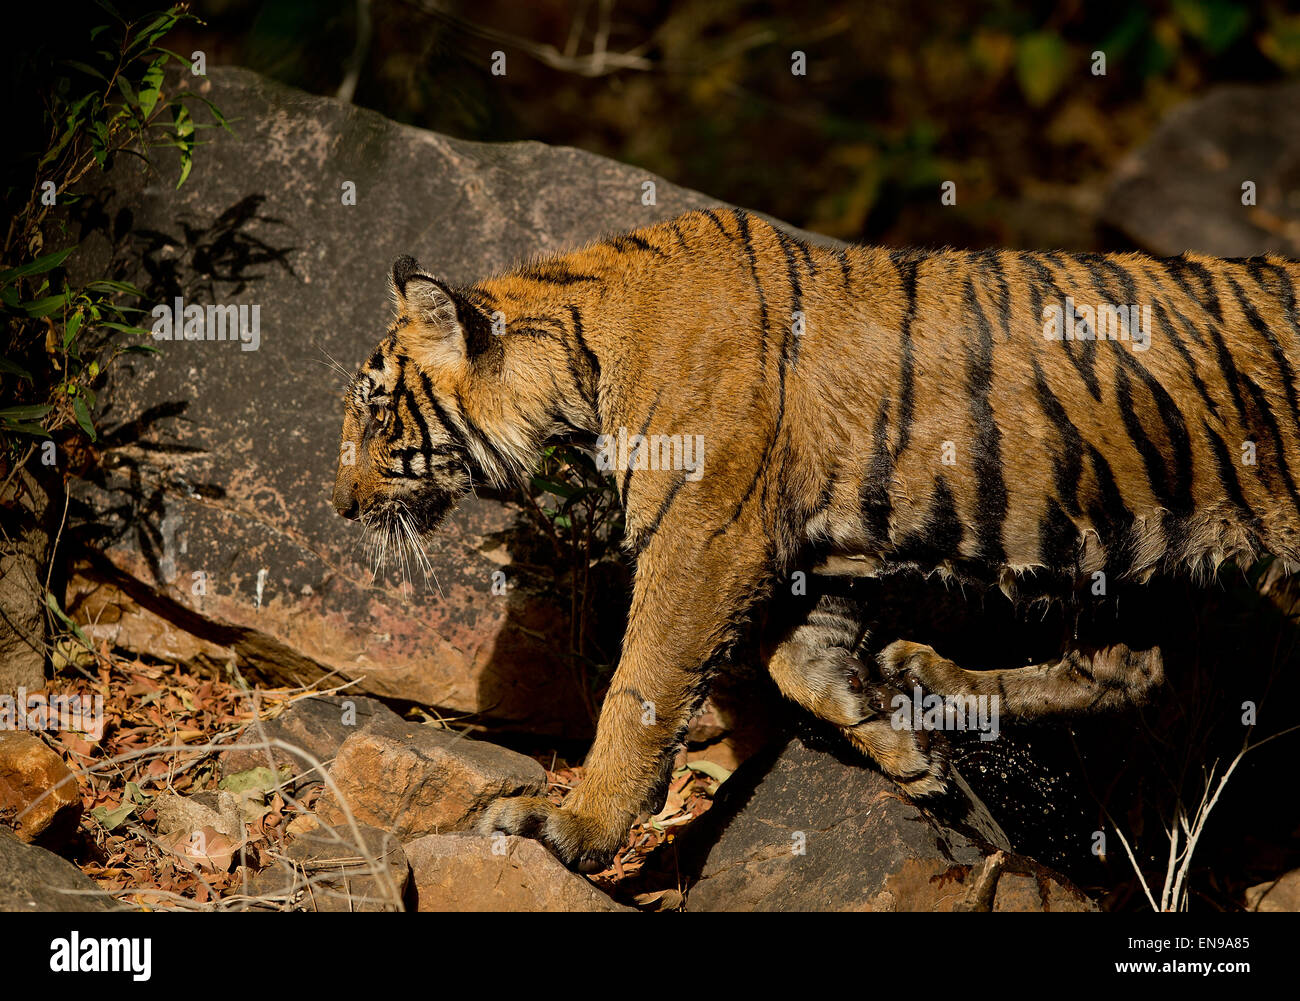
[814,666]
[1080,682]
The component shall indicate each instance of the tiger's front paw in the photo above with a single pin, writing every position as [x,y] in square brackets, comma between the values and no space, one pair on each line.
[580,842]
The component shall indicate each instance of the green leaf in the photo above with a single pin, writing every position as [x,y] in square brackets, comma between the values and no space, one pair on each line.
[107,285]
[43,307]
[713,771]
[151,85]
[123,328]
[23,427]
[1042,63]
[550,486]
[124,85]
[70,330]
[110,819]
[83,417]
[183,121]
[62,616]
[85,68]
[187,161]
[12,368]
[40,265]
[1216,24]
[32,412]
[260,779]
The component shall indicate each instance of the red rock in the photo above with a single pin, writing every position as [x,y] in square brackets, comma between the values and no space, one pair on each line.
[39,798]
[472,872]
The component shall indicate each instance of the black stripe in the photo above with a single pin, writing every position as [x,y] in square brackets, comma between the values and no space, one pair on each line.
[845,267]
[874,500]
[713,218]
[1109,515]
[1279,356]
[1058,539]
[908,269]
[1082,353]
[444,419]
[1176,495]
[1227,471]
[1168,331]
[1067,462]
[990,488]
[742,223]
[645,538]
[677,232]
[940,536]
[1263,415]
[593,364]
[645,428]
[788,246]
[553,273]
[1180,268]
[1000,291]
[622,243]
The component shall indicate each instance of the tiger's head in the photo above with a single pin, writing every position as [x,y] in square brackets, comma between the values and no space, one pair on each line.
[409,449]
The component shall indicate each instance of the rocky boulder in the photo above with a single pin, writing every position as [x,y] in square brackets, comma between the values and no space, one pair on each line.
[33,879]
[315,727]
[800,829]
[1183,188]
[471,872]
[413,779]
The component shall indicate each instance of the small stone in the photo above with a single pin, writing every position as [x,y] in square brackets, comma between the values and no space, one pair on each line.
[1280,895]
[328,870]
[39,798]
[472,872]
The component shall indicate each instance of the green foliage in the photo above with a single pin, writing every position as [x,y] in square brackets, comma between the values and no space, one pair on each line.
[60,338]
[578,508]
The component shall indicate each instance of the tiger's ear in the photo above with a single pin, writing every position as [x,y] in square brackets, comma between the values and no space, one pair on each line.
[433,334]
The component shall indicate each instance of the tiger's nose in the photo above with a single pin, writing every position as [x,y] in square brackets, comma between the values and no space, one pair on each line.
[345,503]
[349,510]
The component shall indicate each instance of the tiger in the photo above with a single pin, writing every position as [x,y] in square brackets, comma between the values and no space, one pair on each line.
[1029,422]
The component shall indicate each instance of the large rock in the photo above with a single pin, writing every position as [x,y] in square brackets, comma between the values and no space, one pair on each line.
[1182,189]
[315,727]
[413,779]
[33,879]
[471,872]
[39,798]
[799,829]
[220,461]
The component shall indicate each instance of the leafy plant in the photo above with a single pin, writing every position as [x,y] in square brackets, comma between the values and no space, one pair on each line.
[577,506]
[60,338]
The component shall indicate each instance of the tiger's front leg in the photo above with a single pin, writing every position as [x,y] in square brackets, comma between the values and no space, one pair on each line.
[687,603]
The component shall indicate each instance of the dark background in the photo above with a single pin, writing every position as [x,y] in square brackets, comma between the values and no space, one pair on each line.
[899,96]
